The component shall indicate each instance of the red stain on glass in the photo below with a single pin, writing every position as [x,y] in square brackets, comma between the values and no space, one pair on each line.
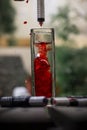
[43,75]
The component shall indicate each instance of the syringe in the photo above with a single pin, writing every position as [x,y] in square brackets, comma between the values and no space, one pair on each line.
[40,11]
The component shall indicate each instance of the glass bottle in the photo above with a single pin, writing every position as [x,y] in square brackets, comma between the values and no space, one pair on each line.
[43,62]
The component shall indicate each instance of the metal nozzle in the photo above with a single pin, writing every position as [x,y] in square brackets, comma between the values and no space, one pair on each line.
[40,11]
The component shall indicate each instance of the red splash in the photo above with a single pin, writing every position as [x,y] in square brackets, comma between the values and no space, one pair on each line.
[43,76]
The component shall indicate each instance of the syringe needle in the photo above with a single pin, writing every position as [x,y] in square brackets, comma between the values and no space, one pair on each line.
[40,12]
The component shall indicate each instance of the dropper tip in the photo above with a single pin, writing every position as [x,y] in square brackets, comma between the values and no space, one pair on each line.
[41,23]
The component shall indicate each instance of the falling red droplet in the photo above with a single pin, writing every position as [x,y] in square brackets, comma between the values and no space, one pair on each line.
[41,23]
[27,1]
[25,22]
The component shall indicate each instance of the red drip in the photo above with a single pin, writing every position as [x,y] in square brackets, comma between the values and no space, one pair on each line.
[27,1]
[25,22]
[41,23]
[43,75]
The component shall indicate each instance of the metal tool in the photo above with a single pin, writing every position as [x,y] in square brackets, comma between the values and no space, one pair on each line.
[40,11]
[69,101]
[23,101]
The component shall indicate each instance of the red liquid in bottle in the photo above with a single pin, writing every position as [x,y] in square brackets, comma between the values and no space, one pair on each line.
[43,75]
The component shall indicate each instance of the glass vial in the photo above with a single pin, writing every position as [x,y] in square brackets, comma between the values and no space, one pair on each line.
[43,62]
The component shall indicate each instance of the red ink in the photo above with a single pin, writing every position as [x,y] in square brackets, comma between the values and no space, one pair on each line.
[43,75]
[25,22]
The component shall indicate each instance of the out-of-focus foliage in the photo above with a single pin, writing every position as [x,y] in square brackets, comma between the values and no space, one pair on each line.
[12,42]
[63,23]
[71,70]
[80,8]
[7,14]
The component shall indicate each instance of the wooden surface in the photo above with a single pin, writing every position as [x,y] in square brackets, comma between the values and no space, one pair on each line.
[26,118]
[44,118]
[39,114]
[69,118]
[76,114]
